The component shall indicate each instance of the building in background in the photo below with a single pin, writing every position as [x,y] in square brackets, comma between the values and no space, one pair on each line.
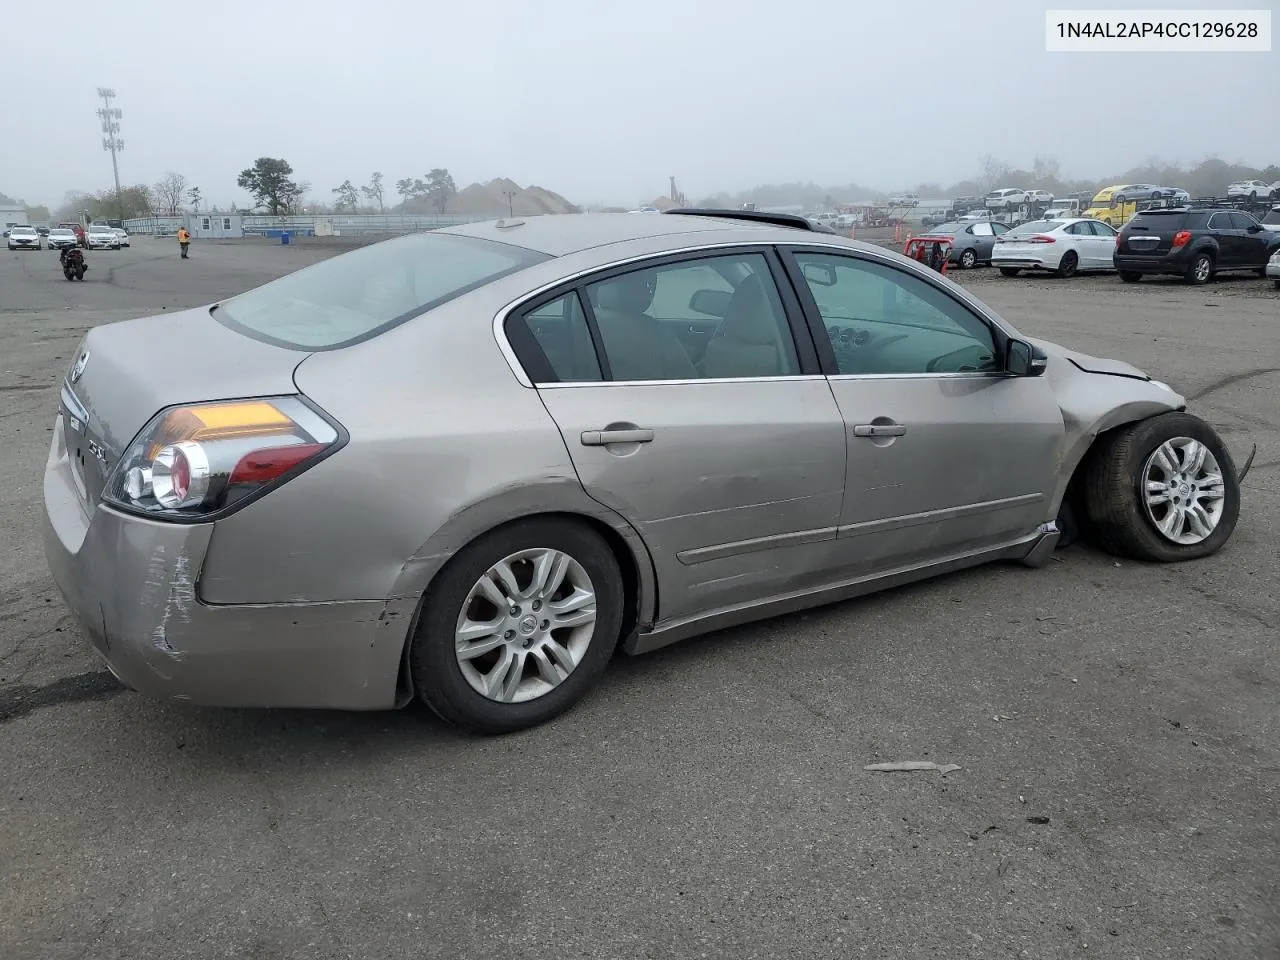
[13,215]
[215,226]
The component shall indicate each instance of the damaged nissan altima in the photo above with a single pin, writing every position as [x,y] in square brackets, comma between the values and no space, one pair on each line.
[466,466]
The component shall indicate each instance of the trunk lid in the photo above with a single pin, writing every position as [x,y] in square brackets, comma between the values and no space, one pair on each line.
[123,374]
[1151,233]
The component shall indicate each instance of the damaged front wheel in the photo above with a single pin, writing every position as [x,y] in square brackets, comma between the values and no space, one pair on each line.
[1162,490]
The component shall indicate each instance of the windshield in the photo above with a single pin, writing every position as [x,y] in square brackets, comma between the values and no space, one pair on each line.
[1272,217]
[1033,227]
[22,230]
[61,233]
[360,294]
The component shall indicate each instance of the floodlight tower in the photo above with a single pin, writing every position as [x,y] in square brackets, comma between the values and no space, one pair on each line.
[110,117]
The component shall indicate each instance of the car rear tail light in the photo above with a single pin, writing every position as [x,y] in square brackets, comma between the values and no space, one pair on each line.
[200,461]
[1181,238]
[1040,238]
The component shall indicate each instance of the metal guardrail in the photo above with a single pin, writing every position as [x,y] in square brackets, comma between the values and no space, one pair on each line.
[310,225]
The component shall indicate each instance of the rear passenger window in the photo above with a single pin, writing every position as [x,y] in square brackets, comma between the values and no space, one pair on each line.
[705,319]
[553,342]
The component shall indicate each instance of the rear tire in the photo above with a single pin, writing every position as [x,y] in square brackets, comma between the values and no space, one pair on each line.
[1201,270]
[1068,264]
[1130,276]
[438,673]
[1010,271]
[1124,471]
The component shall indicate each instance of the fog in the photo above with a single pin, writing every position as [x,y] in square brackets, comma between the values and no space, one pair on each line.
[601,102]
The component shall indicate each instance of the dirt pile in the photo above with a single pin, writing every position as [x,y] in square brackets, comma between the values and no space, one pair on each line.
[500,197]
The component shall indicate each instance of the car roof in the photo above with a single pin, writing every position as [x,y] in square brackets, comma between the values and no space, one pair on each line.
[561,234]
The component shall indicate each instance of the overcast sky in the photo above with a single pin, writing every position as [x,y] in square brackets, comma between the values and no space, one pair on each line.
[602,101]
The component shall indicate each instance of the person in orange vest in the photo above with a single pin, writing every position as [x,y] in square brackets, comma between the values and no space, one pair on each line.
[184,241]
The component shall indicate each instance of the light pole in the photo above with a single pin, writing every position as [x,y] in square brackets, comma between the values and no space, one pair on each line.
[110,117]
[510,195]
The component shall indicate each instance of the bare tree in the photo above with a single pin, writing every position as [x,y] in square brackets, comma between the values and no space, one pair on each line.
[169,193]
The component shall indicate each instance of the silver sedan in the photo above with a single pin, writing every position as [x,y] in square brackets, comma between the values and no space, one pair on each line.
[468,465]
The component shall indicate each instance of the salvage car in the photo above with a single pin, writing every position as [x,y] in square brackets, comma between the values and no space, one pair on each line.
[466,465]
[1063,247]
[1273,268]
[1196,244]
[972,241]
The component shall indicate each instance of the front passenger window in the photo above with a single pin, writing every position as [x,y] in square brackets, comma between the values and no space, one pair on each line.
[882,320]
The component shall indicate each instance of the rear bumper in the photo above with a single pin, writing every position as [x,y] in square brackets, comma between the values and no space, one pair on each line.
[1175,263]
[1022,261]
[132,584]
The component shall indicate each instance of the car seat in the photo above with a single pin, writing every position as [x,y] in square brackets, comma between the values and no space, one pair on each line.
[638,346]
[748,342]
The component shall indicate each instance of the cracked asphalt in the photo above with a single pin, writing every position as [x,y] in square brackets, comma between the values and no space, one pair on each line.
[1117,727]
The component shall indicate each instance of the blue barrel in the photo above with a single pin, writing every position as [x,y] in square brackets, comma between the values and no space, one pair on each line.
[284,237]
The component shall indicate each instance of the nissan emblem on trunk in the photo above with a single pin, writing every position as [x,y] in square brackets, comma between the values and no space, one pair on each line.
[78,370]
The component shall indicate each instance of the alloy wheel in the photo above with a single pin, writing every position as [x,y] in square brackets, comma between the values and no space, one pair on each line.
[1183,490]
[525,625]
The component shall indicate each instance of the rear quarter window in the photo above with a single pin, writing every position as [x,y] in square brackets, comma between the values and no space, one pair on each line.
[1159,221]
[358,295]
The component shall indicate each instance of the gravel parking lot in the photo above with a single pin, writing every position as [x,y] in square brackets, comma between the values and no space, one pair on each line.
[1117,727]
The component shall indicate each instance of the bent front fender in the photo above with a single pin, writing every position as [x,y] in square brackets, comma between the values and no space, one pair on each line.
[1092,406]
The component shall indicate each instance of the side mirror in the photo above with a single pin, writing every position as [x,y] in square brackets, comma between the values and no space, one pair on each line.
[1255,228]
[1021,359]
[714,303]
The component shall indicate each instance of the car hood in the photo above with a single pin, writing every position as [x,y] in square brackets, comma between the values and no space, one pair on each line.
[1098,365]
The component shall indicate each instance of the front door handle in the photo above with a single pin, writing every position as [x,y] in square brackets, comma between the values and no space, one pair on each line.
[600,438]
[879,430]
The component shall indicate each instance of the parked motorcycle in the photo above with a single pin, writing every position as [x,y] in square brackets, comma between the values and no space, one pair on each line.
[73,265]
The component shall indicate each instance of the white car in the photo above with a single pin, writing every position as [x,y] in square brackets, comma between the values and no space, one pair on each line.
[1273,268]
[24,238]
[61,238]
[1039,196]
[1272,220]
[1006,198]
[905,200]
[1253,189]
[1063,210]
[1061,246]
[122,234]
[102,237]
[979,215]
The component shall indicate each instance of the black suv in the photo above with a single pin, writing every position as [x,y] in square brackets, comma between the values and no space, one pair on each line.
[1194,244]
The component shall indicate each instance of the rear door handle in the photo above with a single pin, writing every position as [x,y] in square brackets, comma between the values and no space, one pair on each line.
[879,430]
[600,438]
